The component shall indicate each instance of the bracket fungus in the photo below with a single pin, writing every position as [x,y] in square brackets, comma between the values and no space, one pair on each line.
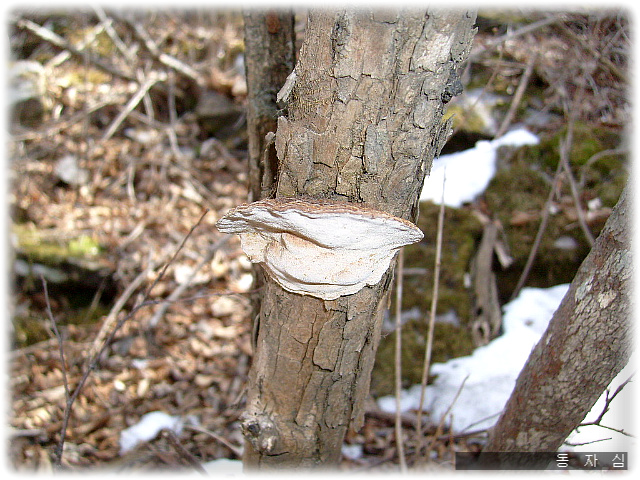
[317,247]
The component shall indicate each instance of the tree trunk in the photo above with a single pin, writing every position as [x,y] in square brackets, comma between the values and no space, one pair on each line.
[269,58]
[585,346]
[365,121]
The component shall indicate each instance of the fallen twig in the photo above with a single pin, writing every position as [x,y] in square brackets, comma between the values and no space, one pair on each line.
[66,54]
[173,120]
[597,54]
[226,443]
[108,27]
[444,415]
[162,57]
[49,36]
[555,18]
[61,124]
[152,79]
[183,452]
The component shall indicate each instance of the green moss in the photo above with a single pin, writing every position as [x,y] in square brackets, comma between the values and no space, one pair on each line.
[83,246]
[42,247]
[470,120]
[84,314]
[28,330]
[449,342]
[461,233]
[522,185]
[588,140]
[78,310]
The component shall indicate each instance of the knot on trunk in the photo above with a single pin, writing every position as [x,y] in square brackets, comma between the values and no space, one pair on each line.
[271,436]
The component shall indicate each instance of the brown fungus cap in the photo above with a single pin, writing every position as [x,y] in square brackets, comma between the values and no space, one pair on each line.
[320,248]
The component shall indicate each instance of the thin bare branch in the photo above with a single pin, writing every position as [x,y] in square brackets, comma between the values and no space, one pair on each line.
[597,156]
[398,363]
[93,360]
[605,409]
[565,149]
[184,240]
[152,79]
[517,97]
[541,229]
[117,307]
[153,322]
[65,381]
[432,321]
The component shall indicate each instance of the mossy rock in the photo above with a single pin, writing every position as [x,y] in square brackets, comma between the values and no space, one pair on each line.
[79,262]
[476,112]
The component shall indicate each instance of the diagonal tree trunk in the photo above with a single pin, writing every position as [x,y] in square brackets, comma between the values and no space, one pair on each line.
[585,346]
[364,124]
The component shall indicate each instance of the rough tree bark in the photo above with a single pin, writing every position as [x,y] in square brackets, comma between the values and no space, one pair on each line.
[585,346]
[364,123]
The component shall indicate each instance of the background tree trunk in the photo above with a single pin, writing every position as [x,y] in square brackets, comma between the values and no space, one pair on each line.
[585,346]
[365,121]
[270,56]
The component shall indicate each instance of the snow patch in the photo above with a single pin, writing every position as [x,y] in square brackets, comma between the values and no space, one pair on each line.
[490,372]
[149,426]
[468,172]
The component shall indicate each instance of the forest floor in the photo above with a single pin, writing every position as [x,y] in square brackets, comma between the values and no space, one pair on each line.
[124,297]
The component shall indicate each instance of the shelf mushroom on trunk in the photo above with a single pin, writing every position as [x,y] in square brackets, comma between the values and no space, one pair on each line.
[321,248]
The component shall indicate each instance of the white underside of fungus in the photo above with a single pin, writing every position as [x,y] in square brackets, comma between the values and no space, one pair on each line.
[319,248]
